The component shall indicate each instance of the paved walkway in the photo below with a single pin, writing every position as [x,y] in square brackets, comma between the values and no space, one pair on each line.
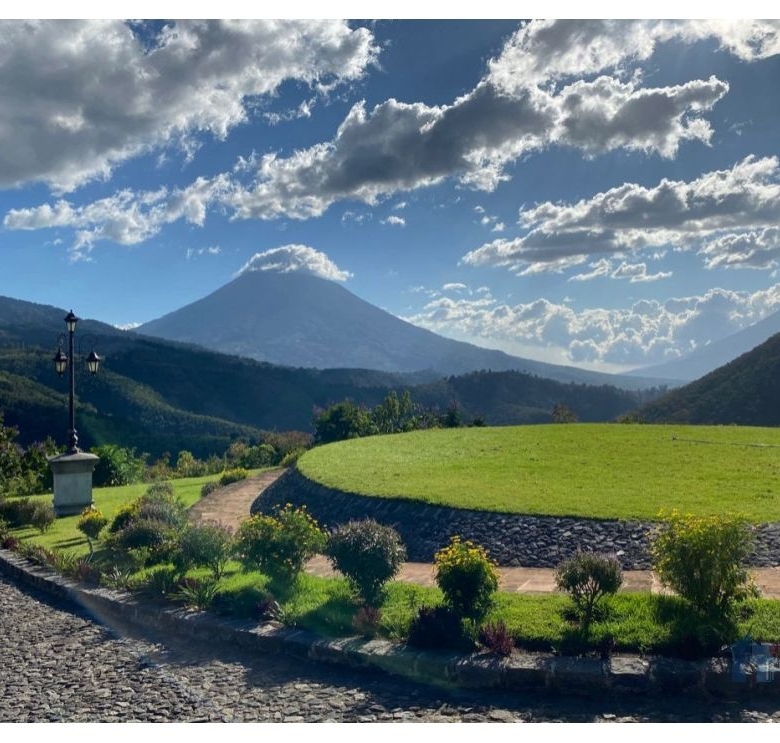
[231,504]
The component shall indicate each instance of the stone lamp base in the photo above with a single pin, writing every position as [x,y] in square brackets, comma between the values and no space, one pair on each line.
[72,482]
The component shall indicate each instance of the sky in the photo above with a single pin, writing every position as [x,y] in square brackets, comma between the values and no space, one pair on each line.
[596,193]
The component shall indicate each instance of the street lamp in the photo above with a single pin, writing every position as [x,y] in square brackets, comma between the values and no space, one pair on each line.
[72,470]
[62,362]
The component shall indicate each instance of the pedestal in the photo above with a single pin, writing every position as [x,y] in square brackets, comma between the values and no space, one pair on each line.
[72,482]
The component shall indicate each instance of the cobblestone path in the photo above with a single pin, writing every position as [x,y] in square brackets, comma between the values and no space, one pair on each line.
[59,665]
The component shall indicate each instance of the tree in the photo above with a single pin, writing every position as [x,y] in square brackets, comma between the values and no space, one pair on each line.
[344,420]
[563,414]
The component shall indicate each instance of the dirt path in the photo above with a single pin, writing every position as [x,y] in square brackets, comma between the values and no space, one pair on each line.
[230,505]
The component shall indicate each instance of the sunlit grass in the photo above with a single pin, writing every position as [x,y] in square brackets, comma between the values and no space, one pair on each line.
[586,470]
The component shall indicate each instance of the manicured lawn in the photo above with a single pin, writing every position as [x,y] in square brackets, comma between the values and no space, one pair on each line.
[64,535]
[589,470]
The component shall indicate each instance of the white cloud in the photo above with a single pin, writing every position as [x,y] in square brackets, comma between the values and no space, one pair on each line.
[394,221]
[197,252]
[716,213]
[79,97]
[454,287]
[547,51]
[647,332]
[288,258]
[126,218]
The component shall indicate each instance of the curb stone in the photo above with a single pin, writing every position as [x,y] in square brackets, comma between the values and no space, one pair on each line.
[522,671]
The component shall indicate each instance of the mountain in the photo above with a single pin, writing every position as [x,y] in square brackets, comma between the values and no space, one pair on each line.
[744,392]
[716,354]
[159,396]
[300,320]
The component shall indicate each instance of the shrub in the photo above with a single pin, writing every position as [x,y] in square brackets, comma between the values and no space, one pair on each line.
[155,539]
[204,545]
[117,466]
[160,490]
[196,593]
[42,516]
[368,553]
[467,578]
[588,578]
[160,503]
[289,459]
[367,621]
[208,488]
[90,524]
[496,638]
[702,559]
[161,582]
[279,545]
[17,511]
[436,628]
[234,475]
[123,517]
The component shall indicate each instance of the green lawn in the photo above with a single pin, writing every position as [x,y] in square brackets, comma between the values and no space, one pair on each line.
[64,535]
[589,470]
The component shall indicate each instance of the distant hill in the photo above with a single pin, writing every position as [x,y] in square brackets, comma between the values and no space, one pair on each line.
[744,392]
[698,363]
[296,319]
[159,396]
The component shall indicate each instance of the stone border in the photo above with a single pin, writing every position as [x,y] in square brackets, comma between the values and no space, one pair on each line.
[520,672]
[510,539]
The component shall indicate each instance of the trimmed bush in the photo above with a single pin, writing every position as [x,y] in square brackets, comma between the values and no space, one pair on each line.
[702,558]
[204,545]
[234,475]
[42,516]
[279,545]
[467,578]
[90,524]
[588,578]
[368,554]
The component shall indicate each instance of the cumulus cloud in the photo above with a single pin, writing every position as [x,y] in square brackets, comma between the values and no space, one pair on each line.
[126,217]
[634,272]
[288,258]
[398,146]
[647,332]
[729,215]
[395,221]
[81,96]
[546,51]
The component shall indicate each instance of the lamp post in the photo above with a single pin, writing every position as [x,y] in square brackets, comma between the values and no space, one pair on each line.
[72,470]
[61,362]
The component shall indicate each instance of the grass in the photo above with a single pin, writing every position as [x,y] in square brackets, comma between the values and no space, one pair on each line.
[585,470]
[63,535]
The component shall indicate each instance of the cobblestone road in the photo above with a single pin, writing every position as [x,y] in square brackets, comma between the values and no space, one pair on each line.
[57,664]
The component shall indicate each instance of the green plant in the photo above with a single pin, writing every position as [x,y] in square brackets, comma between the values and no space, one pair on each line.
[198,594]
[289,459]
[204,545]
[208,488]
[17,511]
[702,558]
[235,475]
[588,577]
[117,466]
[90,524]
[161,582]
[467,577]
[118,578]
[279,545]
[368,553]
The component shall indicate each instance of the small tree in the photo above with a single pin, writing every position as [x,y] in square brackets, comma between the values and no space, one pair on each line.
[588,578]
[204,545]
[702,558]
[368,553]
[90,524]
[467,577]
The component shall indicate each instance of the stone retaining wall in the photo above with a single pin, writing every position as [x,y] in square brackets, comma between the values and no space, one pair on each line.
[510,539]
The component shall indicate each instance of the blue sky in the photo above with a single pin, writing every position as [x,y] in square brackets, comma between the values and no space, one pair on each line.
[596,193]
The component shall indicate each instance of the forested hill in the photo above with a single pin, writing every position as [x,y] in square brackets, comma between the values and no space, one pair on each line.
[744,392]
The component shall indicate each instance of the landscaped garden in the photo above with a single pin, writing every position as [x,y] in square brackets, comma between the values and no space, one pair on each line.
[142,541]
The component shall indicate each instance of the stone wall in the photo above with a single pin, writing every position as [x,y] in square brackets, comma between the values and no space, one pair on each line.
[510,539]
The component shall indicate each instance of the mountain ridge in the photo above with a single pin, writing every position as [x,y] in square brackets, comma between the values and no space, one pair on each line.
[300,320]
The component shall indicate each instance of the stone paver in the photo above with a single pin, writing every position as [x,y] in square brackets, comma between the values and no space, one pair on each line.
[61,666]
